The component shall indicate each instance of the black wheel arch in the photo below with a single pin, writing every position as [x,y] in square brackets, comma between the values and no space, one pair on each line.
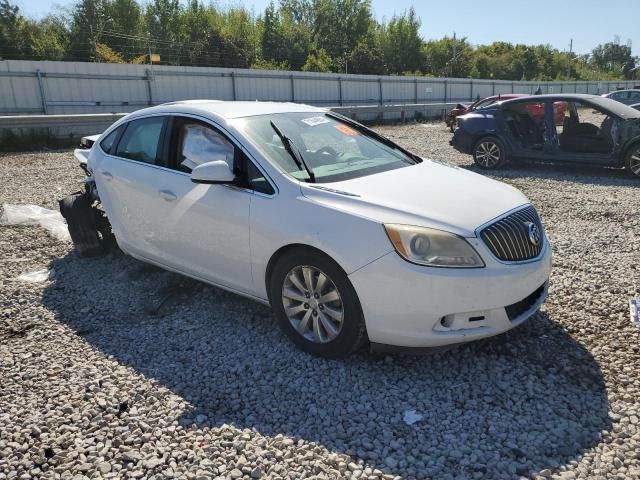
[287,249]
[630,145]
[492,134]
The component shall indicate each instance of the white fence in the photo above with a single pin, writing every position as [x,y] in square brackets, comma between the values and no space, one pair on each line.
[33,87]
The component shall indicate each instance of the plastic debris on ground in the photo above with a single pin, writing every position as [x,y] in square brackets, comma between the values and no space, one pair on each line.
[36,276]
[634,311]
[50,220]
[410,417]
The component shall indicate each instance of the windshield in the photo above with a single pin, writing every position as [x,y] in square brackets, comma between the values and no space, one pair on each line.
[333,150]
[484,103]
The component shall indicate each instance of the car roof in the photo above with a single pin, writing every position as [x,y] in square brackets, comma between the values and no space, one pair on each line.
[613,106]
[508,96]
[624,90]
[554,96]
[229,109]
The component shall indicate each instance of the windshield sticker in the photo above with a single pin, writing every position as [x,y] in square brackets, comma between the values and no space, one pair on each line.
[346,129]
[313,121]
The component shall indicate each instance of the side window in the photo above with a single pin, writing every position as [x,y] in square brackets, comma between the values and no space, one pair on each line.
[140,140]
[201,144]
[107,143]
[635,97]
[257,181]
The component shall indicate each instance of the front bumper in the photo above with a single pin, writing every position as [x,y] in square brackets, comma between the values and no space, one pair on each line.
[407,305]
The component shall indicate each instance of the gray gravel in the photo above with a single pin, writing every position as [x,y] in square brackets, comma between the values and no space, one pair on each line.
[96,381]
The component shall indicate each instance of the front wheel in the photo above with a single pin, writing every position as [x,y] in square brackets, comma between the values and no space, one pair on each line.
[489,153]
[632,161]
[316,305]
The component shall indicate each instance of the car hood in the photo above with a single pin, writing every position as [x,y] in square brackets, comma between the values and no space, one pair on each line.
[430,194]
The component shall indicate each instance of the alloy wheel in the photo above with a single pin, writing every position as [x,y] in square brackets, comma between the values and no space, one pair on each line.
[488,154]
[313,304]
[634,163]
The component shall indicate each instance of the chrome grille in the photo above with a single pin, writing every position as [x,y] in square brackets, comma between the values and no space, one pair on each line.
[509,238]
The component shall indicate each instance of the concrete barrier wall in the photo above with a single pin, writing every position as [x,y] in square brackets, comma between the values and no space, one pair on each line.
[41,87]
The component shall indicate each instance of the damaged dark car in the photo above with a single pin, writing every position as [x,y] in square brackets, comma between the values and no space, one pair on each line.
[591,130]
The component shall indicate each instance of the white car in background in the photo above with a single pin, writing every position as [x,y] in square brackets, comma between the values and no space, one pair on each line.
[349,237]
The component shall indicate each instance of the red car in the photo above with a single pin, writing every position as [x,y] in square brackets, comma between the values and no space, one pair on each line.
[462,109]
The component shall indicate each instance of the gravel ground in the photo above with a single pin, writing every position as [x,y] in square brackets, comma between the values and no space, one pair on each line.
[96,381]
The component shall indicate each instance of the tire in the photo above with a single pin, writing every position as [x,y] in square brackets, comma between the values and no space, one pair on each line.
[489,153]
[81,222]
[632,160]
[311,313]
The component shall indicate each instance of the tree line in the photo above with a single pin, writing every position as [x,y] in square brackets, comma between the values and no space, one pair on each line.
[308,35]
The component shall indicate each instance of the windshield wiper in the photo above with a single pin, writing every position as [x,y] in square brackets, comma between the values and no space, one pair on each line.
[370,133]
[291,148]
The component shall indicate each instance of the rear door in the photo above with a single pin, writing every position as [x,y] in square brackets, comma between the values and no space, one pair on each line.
[527,128]
[126,174]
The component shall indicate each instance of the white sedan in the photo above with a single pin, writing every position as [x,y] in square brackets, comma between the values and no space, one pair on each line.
[349,237]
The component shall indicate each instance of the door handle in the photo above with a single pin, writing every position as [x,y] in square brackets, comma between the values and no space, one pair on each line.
[168,195]
[107,175]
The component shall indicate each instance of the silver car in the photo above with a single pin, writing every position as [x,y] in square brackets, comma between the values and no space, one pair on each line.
[628,97]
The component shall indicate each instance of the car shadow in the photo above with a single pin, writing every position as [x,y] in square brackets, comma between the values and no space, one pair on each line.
[528,400]
[581,174]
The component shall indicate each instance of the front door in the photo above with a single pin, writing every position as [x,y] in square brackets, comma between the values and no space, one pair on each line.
[583,133]
[203,230]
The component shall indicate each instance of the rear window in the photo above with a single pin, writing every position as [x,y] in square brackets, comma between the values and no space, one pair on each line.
[107,143]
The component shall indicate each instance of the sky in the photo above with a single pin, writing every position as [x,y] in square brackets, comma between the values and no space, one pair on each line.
[587,22]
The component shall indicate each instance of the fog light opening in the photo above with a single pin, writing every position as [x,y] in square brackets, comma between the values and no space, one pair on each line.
[447,321]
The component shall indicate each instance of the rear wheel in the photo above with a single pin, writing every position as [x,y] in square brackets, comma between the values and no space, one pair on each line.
[316,305]
[632,162]
[489,153]
[81,221]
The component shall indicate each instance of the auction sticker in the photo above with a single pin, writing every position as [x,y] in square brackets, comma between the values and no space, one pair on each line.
[313,121]
[346,129]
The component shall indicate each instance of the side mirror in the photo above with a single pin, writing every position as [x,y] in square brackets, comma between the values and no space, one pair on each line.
[216,172]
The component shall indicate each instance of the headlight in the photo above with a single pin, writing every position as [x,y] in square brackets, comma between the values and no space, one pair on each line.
[435,248]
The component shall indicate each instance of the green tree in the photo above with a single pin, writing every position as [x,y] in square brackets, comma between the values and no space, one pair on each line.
[89,19]
[401,43]
[164,25]
[10,44]
[273,41]
[613,57]
[318,61]
[125,20]
[340,24]
[367,59]
[448,57]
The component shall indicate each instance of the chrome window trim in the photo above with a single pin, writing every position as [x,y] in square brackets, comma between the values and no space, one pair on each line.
[233,139]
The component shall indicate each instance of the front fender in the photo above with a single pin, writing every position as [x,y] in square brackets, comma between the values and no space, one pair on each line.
[351,241]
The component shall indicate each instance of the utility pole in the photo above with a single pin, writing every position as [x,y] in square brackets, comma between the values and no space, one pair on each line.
[454,55]
[570,58]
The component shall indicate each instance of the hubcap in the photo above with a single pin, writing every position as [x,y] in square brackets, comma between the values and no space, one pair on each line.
[312,304]
[488,154]
[634,164]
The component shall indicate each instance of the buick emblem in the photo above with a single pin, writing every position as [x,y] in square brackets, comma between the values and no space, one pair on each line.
[534,233]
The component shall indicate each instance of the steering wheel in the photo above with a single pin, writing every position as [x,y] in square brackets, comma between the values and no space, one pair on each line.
[327,149]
